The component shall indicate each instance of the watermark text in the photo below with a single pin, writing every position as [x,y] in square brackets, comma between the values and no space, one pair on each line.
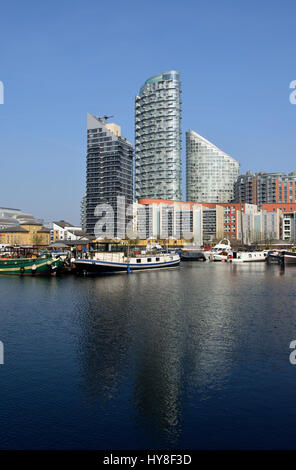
[1,93]
[292,96]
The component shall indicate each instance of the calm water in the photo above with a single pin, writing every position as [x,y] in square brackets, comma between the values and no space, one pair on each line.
[194,357]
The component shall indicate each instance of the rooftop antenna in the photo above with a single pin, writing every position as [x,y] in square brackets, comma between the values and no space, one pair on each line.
[105,118]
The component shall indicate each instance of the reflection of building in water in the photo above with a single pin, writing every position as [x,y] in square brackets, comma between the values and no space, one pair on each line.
[158,380]
[141,337]
[189,343]
[105,339]
[160,374]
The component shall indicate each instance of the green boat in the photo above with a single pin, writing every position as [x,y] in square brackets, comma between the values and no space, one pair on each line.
[44,265]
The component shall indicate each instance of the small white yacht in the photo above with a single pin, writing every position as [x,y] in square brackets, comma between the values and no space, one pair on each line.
[221,251]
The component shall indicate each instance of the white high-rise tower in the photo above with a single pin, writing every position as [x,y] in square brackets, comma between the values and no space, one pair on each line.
[158,138]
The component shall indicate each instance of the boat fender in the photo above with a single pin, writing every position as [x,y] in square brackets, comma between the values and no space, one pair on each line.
[22,270]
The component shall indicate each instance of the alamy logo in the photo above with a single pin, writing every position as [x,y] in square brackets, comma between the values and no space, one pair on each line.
[1,93]
[292,96]
[292,357]
[126,221]
[1,353]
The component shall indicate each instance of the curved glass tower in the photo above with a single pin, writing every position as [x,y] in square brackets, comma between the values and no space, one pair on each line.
[210,173]
[158,138]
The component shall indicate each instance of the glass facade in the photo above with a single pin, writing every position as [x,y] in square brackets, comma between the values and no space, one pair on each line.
[210,173]
[158,138]
[109,171]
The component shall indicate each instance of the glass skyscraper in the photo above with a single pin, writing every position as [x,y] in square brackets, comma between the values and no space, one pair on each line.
[109,170]
[158,138]
[210,173]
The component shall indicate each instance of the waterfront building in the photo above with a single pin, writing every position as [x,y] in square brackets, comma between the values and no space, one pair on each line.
[109,171]
[258,226]
[83,213]
[210,173]
[288,218]
[222,221]
[231,216]
[158,138]
[6,212]
[288,226]
[21,229]
[213,223]
[172,220]
[64,231]
[28,233]
[147,221]
[265,188]
[14,217]
[6,222]
[283,207]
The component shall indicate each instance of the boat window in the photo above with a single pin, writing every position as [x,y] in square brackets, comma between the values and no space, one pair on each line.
[250,256]
[138,261]
[156,259]
[149,260]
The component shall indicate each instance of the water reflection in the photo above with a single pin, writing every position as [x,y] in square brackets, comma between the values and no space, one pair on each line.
[193,357]
[160,336]
[105,337]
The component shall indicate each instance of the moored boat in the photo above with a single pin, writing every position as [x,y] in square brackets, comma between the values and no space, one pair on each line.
[192,255]
[42,266]
[288,257]
[248,256]
[221,251]
[274,257]
[119,262]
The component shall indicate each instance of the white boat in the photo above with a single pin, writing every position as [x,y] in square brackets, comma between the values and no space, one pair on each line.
[248,256]
[220,251]
[116,262]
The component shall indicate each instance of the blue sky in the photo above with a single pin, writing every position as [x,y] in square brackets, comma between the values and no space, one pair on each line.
[62,59]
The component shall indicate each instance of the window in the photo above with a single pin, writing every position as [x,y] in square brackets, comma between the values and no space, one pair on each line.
[138,261]
[156,259]
[149,260]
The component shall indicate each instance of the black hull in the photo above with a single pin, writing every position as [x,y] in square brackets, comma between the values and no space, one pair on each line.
[274,259]
[193,258]
[289,258]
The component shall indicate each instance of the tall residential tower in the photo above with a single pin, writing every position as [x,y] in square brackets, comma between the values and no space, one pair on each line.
[158,138]
[210,173]
[109,169]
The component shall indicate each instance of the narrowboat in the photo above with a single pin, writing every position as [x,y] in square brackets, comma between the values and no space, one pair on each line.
[288,257]
[192,255]
[248,256]
[119,262]
[275,257]
[44,265]
[281,257]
